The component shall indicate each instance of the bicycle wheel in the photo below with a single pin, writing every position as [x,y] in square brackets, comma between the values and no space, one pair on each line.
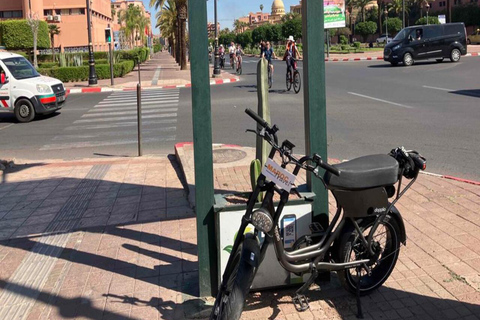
[232,62]
[387,241]
[289,82]
[270,80]
[239,69]
[229,306]
[297,81]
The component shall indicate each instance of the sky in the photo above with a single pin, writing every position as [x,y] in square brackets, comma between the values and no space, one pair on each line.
[230,10]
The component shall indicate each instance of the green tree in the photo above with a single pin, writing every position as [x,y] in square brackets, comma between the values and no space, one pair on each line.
[468,14]
[244,38]
[396,7]
[394,25]
[53,30]
[291,16]
[365,29]
[129,19]
[259,34]
[226,37]
[239,26]
[421,21]
[261,7]
[292,27]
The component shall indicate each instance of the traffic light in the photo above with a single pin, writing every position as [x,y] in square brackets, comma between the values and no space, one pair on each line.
[108,35]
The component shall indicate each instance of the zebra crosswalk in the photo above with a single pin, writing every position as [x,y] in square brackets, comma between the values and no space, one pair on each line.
[113,121]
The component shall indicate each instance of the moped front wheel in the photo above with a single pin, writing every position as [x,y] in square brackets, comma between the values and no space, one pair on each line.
[386,241]
[229,304]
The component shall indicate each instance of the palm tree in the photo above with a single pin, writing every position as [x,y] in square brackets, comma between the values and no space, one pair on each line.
[181,7]
[53,30]
[290,16]
[167,22]
[361,4]
[396,6]
[239,26]
[261,7]
[130,19]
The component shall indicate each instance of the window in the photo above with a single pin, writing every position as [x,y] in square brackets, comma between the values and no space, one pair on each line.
[65,12]
[433,32]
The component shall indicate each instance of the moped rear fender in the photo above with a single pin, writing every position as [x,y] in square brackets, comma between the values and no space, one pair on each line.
[251,250]
[397,216]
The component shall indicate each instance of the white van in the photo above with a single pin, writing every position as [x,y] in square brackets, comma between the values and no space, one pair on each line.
[26,93]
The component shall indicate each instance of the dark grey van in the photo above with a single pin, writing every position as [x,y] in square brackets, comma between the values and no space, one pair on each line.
[435,41]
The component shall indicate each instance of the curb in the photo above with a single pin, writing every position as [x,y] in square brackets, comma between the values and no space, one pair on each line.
[188,85]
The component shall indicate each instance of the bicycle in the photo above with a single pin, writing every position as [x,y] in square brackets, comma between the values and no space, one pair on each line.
[295,80]
[232,61]
[362,246]
[239,65]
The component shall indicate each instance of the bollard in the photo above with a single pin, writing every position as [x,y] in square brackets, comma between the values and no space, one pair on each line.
[262,147]
[139,118]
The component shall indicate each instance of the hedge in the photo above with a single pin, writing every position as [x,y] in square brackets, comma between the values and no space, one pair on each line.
[142,53]
[67,74]
[47,65]
[17,35]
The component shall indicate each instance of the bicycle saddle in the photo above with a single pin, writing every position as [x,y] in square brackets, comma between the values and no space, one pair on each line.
[364,172]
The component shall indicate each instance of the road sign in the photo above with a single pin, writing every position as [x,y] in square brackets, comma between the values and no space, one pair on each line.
[442,19]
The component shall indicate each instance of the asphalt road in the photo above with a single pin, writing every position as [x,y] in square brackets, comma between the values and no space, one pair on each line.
[371,108]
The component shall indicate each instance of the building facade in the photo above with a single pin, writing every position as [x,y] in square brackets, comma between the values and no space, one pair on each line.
[116,9]
[69,15]
[278,11]
[211,29]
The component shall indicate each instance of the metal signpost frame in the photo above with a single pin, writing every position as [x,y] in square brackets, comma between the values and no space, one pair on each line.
[315,127]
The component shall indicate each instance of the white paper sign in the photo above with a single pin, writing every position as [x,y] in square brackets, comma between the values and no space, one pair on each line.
[442,19]
[281,177]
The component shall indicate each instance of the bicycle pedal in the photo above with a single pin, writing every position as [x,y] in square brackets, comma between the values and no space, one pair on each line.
[301,302]
[316,227]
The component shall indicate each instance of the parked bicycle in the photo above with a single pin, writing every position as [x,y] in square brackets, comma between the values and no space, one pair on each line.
[294,79]
[361,243]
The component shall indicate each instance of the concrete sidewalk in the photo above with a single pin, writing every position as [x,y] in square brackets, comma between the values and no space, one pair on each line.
[161,71]
[116,239]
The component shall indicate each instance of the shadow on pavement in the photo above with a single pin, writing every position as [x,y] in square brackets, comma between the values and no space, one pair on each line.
[470,93]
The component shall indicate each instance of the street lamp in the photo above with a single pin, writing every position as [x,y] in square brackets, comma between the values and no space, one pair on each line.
[216,63]
[386,26]
[403,9]
[428,7]
[92,76]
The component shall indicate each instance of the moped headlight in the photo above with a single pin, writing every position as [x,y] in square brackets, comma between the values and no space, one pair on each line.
[396,47]
[43,88]
[262,220]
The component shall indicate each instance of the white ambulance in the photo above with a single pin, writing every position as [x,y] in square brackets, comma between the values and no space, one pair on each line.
[26,93]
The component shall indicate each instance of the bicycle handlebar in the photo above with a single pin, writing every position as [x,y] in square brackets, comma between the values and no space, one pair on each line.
[257,118]
[316,158]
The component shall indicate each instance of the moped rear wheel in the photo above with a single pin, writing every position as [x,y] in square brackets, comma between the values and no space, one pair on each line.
[386,240]
[229,306]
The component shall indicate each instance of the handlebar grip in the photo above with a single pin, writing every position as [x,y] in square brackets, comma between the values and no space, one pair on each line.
[256,117]
[420,162]
[330,168]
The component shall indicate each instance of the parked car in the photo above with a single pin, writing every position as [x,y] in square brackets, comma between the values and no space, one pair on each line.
[384,38]
[26,93]
[474,37]
[437,41]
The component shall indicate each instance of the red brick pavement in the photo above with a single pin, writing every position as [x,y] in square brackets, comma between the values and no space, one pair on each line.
[134,257]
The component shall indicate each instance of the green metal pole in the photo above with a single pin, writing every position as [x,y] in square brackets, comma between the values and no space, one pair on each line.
[202,145]
[313,36]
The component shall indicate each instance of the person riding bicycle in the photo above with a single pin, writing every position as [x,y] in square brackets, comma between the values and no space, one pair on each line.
[231,51]
[291,54]
[221,52]
[268,54]
[239,53]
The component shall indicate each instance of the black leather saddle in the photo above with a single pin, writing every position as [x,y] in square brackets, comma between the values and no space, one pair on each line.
[364,172]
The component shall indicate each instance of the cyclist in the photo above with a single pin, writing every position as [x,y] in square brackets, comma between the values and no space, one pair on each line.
[291,54]
[268,54]
[231,51]
[238,54]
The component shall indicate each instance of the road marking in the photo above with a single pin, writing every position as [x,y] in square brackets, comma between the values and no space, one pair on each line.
[121,124]
[149,92]
[144,96]
[151,116]
[380,100]
[150,106]
[111,134]
[156,76]
[7,126]
[436,88]
[135,100]
[134,103]
[120,113]
[91,144]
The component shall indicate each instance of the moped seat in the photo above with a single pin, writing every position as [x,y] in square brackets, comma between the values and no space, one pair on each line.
[364,172]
